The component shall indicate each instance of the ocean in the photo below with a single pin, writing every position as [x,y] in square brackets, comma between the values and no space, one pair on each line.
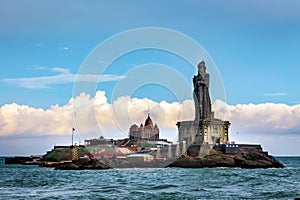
[33,182]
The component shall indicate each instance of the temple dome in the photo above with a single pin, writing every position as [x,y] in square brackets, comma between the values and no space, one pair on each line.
[148,121]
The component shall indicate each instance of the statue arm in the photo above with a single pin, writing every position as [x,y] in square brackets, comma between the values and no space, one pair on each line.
[207,79]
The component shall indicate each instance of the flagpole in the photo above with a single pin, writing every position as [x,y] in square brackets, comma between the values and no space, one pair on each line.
[73,129]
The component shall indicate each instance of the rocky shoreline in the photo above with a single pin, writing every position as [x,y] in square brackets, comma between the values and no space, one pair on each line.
[82,164]
[245,158]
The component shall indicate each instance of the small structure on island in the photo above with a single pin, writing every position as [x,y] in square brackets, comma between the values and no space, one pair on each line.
[148,131]
[205,128]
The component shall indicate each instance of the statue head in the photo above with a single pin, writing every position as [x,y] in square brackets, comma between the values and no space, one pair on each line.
[201,67]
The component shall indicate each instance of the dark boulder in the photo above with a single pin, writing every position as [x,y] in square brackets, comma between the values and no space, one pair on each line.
[81,164]
[246,158]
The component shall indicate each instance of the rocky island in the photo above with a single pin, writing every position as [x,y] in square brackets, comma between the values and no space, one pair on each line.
[202,142]
[209,137]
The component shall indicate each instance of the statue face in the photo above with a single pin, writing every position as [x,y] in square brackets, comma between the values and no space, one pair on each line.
[202,67]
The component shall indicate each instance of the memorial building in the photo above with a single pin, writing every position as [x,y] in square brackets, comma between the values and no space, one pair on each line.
[205,129]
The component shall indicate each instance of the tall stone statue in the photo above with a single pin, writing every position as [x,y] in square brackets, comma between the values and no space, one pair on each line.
[206,130]
[201,94]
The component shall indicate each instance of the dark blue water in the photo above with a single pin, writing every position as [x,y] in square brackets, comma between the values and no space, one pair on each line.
[32,182]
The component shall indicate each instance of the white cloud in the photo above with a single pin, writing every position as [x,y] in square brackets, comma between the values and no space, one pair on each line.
[276,94]
[54,69]
[94,116]
[266,118]
[65,48]
[64,77]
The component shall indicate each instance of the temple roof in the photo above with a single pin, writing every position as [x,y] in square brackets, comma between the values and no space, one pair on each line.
[148,121]
[134,127]
[148,125]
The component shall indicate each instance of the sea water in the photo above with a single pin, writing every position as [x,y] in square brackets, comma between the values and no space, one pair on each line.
[33,182]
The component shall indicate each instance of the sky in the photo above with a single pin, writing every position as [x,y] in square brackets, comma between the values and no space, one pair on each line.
[48,84]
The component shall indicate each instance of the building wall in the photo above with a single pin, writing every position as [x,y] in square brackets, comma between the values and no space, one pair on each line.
[135,135]
[188,131]
[215,131]
[151,134]
[205,131]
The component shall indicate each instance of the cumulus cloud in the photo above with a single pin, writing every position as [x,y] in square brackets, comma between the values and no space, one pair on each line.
[266,118]
[90,115]
[96,116]
[21,119]
[64,77]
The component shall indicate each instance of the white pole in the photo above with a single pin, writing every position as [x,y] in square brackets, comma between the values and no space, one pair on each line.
[73,129]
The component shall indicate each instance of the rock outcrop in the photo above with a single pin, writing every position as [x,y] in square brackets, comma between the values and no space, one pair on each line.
[81,164]
[245,158]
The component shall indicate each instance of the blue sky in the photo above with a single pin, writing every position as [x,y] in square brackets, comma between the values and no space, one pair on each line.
[255,45]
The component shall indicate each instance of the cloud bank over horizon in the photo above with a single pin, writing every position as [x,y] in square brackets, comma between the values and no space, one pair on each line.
[94,115]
